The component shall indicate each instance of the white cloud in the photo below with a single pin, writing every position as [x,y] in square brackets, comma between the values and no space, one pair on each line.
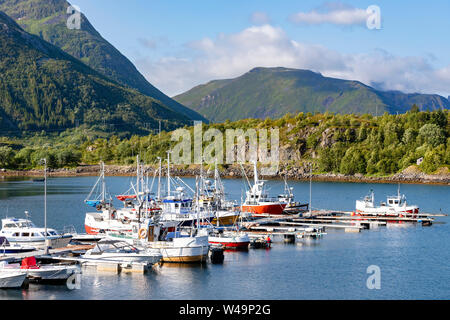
[333,13]
[231,55]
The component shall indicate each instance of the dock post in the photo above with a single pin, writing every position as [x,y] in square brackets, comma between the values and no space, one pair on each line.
[289,238]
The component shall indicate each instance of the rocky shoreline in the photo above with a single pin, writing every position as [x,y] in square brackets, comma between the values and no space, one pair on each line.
[410,175]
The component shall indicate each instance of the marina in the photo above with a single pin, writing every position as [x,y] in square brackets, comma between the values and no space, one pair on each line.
[265,234]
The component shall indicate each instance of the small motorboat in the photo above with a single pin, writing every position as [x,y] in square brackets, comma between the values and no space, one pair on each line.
[35,271]
[116,250]
[12,279]
[6,248]
[24,232]
[230,239]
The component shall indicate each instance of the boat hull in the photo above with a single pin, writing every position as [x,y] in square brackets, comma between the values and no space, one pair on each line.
[273,209]
[54,242]
[126,258]
[12,280]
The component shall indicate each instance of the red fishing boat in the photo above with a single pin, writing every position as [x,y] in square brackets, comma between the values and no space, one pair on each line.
[258,202]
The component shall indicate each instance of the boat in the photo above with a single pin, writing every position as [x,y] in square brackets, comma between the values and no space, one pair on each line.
[35,271]
[212,199]
[6,248]
[292,207]
[174,246]
[111,219]
[177,206]
[12,279]
[257,201]
[229,239]
[395,206]
[24,232]
[119,250]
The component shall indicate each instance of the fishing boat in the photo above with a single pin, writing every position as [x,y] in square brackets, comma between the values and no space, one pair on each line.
[10,280]
[292,207]
[177,206]
[212,198]
[257,201]
[395,206]
[119,250]
[24,232]
[174,246]
[137,205]
[6,248]
[35,271]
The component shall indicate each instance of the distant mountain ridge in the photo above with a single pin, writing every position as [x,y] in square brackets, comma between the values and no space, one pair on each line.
[44,88]
[48,20]
[273,92]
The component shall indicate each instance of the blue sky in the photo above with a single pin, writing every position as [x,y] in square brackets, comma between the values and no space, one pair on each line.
[179,44]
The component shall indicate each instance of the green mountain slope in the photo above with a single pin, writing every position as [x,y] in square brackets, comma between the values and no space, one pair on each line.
[273,92]
[43,88]
[48,19]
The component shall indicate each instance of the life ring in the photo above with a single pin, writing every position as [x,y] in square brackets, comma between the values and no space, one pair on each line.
[142,233]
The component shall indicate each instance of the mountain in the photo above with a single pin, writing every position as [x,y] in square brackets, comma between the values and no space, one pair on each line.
[273,92]
[48,20]
[44,88]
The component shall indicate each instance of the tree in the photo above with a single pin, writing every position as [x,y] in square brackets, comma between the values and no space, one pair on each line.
[6,156]
[415,108]
[432,134]
[353,162]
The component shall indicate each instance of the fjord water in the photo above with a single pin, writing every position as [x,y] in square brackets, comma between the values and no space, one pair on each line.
[414,260]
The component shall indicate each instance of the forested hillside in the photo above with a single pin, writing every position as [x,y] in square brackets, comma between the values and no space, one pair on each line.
[347,144]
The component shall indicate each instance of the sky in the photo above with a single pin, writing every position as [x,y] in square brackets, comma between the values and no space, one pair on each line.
[179,44]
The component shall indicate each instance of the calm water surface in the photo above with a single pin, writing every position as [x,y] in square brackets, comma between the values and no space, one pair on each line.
[414,260]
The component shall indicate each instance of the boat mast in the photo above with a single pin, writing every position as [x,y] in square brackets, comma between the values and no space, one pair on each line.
[45,203]
[103,182]
[310,189]
[168,173]
[255,169]
[137,178]
[159,179]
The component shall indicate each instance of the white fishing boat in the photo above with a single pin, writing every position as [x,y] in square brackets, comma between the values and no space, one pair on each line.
[136,202]
[36,271]
[12,279]
[24,232]
[395,206]
[119,250]
[174,246]
[7,249]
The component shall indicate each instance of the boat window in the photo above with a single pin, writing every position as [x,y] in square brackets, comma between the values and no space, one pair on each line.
[25,234]
[10,225]
[25,225]
[390,201]
[16,234]
[36,234]
[53,233]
